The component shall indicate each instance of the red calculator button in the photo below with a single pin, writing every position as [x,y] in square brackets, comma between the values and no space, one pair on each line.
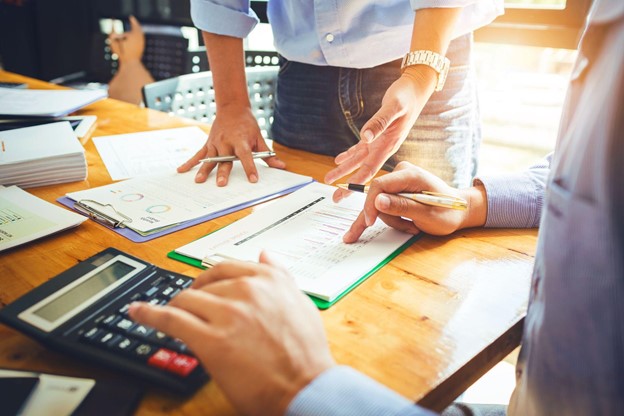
[182,365]
[162,358]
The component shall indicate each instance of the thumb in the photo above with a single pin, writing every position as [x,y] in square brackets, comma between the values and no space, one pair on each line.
[135,26]
[377,124]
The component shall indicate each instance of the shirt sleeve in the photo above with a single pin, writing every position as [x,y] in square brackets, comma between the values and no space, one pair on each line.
[342,391]
[224,17]
[516,200]
[475,13]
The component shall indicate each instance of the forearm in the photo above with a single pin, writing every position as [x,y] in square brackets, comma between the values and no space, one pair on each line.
[227,64]
[433,29]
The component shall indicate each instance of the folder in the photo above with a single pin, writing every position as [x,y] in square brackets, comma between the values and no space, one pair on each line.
[304,231]
[147,207]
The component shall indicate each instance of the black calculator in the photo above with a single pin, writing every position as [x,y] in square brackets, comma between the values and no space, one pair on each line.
[84,312]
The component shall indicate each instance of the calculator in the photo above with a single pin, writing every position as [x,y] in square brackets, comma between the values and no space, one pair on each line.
[84,312]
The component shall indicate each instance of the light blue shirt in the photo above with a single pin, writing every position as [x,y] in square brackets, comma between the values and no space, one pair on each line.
[572,356]
[342,33]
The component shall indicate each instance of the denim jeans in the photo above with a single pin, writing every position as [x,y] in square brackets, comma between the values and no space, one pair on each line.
[321,109]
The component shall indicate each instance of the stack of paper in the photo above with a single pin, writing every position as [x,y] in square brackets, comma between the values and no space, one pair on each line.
[41,155]
[24,217]
[45,103]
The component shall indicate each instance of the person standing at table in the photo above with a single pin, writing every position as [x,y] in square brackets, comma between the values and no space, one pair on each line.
[263,341]
[131,75]
[341,89]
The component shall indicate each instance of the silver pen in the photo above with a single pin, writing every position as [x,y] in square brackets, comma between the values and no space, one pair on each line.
[255,155]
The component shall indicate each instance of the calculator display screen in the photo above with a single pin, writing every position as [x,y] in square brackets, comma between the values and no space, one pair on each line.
[76,296]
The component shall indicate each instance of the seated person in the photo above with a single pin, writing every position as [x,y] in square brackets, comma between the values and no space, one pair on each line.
[131,75]
[263,342]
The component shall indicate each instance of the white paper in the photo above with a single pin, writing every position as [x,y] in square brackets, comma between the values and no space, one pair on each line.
[24,217]
[157,201]
[48,103]
[304,232]
[41,155]
[149,152]
[53,395]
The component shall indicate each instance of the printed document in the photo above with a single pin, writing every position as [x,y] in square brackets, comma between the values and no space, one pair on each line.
[45,103]
[24,217]
[148,152]
[304,232]
[148,204]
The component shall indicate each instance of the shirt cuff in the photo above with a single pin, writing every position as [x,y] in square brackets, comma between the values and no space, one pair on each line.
[222,20]
[514,201]
[475,13]
[342,391]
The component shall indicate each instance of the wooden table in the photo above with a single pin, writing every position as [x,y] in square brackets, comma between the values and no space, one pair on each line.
[427,325]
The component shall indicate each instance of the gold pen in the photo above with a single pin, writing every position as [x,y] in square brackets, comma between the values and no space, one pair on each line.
[425,197]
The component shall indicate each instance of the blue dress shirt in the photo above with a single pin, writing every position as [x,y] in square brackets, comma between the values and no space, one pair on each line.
[341,33]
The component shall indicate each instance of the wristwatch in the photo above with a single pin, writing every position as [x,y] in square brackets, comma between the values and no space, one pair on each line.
[439,63]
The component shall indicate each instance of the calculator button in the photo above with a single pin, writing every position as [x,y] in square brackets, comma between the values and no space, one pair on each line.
[144,350]
[162,358]
[124,309]
[110,321]
[142,331]
[157,301]
[168,292]
[178,345]
[159,338]
[106,338]
[124,344]
[151,291]
[182,365]
[124,324]
[92,334]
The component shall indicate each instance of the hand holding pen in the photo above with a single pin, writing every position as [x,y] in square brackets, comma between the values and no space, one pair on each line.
[412,200]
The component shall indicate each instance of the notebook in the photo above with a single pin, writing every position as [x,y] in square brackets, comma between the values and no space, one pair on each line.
[304,232]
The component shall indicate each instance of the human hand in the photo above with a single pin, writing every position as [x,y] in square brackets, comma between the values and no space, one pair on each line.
[235,131]
[128,46]
[382,202]
[260,338]
[384,133]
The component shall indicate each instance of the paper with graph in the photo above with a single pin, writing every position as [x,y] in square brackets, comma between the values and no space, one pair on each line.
[304,232]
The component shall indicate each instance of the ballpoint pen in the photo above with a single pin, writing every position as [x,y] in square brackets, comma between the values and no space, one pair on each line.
[424,197]
[255,155]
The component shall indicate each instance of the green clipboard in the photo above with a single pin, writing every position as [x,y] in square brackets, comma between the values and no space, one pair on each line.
[320,303]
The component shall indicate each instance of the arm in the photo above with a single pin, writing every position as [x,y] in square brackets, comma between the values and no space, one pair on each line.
[235,130]
[382,135]
[132,75]
[238,311]
[513,200]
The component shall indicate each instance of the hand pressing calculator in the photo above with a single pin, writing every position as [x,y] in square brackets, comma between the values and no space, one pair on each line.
[84,312]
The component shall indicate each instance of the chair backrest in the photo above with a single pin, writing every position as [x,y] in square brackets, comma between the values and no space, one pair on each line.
[192,95]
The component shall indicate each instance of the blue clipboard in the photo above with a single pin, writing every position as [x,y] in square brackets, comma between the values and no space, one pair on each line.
[138,238]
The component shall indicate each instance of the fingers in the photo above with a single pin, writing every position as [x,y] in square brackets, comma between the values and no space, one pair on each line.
[355,231]
[378,124]
[400,224]
[223,173]
[347,162]
[135,26]
[224,271]
[173,321]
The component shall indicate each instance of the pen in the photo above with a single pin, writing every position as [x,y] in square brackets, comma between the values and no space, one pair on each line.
[424,197]
[255,155]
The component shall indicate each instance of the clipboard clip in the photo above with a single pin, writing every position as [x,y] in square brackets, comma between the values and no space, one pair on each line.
[96,214]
